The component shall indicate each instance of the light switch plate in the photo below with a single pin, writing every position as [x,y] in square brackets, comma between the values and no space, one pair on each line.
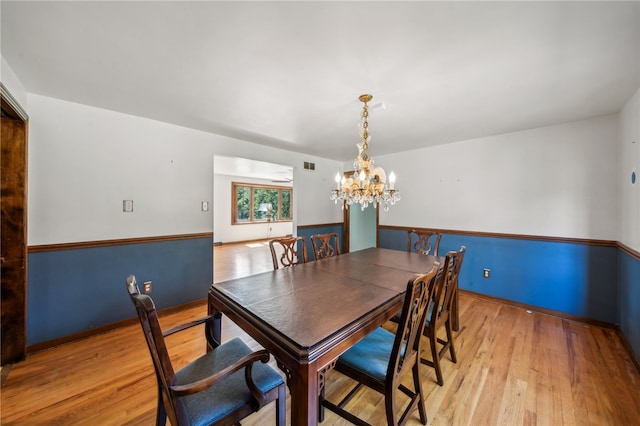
[127,206]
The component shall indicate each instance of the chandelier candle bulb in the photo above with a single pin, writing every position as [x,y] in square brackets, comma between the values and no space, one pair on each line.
[392,181]
[337,179]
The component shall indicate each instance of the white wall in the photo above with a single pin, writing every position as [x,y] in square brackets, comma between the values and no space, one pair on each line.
[630,161]
[557,181]
[84,161]
[552,181]
[224,231]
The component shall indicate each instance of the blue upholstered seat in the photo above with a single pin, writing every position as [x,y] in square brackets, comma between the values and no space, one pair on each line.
[371,355]
[214,403]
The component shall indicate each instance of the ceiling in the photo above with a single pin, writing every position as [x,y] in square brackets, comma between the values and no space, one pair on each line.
[243,167]
[288,74]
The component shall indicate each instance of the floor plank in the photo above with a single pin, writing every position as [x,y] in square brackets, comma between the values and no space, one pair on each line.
[513,367]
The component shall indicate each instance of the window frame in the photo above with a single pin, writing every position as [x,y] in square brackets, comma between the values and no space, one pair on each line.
[252,186]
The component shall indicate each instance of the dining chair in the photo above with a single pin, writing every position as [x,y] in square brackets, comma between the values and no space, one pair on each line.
[221,387]
[325,245]
[423,244]
[439,313]
[382,358]
[285,251]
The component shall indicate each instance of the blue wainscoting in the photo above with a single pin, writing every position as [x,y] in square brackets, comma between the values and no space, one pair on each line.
[573,278]
[308,231]
[629,299]
[74,290]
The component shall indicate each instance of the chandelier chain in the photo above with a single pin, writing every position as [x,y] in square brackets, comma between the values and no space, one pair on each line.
[365,131]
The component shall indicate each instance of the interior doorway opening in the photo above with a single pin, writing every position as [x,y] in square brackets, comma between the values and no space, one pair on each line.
[231,173]
[360,226]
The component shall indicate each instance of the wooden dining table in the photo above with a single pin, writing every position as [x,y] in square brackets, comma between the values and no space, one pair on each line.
[309,314]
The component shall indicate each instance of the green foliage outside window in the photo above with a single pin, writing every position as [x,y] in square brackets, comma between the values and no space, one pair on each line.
[286,204]
[265,198]
[243,201]
[259,203]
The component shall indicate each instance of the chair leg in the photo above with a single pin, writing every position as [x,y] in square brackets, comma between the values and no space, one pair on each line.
[281,406]
[418,387]
[161,413]
[390,408]
[435,354]
[452,350]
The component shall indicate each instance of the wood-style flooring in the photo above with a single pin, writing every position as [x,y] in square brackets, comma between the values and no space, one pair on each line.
[514,368]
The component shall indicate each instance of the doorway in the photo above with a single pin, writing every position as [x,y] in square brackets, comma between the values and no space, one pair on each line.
[13,309]
[242,172]
[360,226]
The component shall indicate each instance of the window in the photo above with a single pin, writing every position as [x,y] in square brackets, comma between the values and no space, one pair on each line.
[260,203]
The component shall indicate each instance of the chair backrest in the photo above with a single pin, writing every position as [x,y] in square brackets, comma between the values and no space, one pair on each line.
[406,347]
[448,285]
[325,245]
[423,242]
[165,374]
[285,251]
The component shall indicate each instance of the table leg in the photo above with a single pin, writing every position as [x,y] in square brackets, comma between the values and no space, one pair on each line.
[213,329]
[322,374]
[303,387]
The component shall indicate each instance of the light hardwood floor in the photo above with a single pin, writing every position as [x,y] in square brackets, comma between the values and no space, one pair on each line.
[514,368]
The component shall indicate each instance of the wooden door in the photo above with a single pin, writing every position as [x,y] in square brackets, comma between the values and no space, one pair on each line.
[14,242]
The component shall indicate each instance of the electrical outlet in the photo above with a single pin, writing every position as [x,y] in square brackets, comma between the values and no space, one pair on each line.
[147,287]
[486,273]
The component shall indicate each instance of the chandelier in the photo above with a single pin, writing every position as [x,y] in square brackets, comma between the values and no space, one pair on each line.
[368,184]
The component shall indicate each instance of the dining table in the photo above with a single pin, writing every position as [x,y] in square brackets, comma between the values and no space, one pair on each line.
[309,314]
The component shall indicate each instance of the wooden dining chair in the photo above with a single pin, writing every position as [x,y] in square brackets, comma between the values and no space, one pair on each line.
[221,387]
[440,313]
[285,252]
[420,241]
[325,245]
[382,358]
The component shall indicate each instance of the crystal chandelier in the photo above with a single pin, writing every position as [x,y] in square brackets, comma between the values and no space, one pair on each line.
[368,184]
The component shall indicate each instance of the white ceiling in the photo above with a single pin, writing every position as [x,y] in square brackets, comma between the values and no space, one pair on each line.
[288,74]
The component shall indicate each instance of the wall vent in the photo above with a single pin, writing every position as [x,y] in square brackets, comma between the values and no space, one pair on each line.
[309,166]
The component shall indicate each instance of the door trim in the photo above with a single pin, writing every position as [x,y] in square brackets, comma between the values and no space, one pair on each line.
[13,104]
